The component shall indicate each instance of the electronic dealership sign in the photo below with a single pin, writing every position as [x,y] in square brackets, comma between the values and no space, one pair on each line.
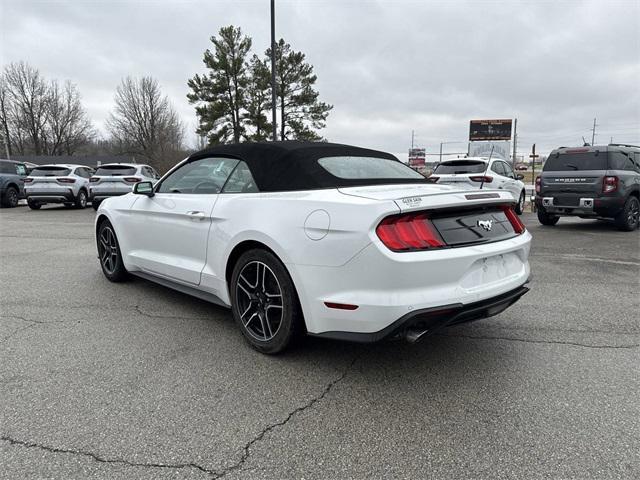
[483,130]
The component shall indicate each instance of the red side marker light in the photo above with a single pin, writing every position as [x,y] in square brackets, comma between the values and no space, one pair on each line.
[340,306]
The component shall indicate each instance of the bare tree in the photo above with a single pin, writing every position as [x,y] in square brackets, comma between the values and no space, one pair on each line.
[40,117]
[145,123]
[67,127]
[26,90]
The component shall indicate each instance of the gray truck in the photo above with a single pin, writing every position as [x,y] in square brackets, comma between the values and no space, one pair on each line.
[12,175]
[591,182]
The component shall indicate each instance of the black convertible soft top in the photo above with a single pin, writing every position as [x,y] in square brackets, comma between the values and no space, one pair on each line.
[293,165]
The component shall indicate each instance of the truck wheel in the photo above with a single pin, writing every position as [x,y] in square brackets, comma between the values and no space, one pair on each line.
[629,217]
[546,219]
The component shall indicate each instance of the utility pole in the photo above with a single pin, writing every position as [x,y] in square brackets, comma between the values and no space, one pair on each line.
[412,135]
[515,143]
[273,69]
[593,132]
[440,161]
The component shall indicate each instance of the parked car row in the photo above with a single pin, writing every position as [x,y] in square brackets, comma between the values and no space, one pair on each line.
[68,184]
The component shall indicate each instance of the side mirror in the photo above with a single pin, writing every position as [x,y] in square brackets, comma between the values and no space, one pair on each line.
[520,176]
[143,188]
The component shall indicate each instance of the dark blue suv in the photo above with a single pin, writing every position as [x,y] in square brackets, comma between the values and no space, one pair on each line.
[12,175]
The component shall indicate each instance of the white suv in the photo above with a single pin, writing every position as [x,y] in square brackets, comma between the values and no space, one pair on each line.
[58,183]
[114,179]
[477,172]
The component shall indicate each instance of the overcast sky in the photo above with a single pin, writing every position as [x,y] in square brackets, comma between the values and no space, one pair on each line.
[387,66]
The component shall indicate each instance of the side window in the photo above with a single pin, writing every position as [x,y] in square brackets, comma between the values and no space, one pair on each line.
[204,176]
[620,161]
[637,162]
[146,171]
[497,168]
[21,169]
[507,170]
[241,181]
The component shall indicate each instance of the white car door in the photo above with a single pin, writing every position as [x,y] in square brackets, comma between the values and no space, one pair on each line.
[511,183]
[498,174]
[168,231]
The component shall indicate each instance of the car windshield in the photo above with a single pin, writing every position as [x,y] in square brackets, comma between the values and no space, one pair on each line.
[115,170]
[461,166]
[50,172]
[576,161]
[364,168]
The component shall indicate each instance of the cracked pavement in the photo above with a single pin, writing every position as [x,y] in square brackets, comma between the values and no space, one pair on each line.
[99,380]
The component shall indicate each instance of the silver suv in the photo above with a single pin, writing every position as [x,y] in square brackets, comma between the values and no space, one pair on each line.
[58,183]
[115,179]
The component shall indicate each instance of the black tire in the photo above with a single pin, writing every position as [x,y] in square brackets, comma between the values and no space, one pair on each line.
[33,205]
[546,219]
[109,253]
[520,205]
[261,288]
[10,198]
[629,218]
[81,199]
[95,204]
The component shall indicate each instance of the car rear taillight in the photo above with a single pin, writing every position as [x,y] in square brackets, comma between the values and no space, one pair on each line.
[94,179]
[609,184]
[409,232]
[132,179]
[538,184]
[433,179]
[66,180]
[514,219]
[481,178]
[28,180]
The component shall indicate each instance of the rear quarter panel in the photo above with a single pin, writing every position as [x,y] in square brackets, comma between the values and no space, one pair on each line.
[320,228]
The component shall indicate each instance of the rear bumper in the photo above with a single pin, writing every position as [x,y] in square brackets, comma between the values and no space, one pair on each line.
[51,196]
[608,207]
[387,286]
[435,318]
[101,195]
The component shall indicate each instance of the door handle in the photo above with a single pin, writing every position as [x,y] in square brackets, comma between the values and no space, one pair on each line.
[196,215]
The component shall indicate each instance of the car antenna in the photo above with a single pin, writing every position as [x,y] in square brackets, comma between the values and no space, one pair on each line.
[487,167]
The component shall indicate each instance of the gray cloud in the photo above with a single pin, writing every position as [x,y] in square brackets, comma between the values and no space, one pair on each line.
[388,67]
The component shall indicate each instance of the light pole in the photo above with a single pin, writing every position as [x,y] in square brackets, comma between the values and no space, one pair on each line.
[273,69]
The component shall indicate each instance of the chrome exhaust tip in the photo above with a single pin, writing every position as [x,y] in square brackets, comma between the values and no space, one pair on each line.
[414,335]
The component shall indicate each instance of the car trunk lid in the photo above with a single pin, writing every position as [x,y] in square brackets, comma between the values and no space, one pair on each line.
[414,197]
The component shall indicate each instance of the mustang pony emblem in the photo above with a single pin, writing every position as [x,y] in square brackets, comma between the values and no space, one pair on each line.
[486,224]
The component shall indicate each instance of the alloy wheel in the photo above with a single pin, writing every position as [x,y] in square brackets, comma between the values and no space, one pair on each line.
[12,199]
[522,199]
[259,298]
[633,215]
[108,247]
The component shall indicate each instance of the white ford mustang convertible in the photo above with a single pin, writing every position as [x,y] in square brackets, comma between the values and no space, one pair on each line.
[329,240]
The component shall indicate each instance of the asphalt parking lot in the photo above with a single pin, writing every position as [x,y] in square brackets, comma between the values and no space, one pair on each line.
[102,380]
